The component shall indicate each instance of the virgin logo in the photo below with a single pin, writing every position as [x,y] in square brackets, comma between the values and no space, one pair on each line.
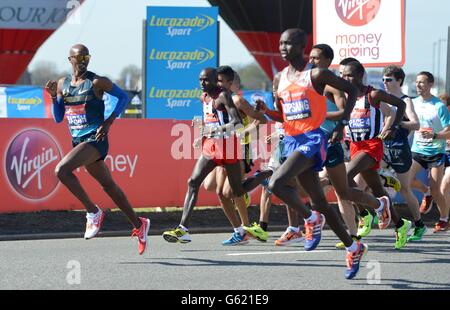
[30,163]
[357,12]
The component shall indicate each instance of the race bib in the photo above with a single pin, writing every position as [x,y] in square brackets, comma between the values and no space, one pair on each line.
[360,121]
[76,116]
[421,141]
[297,109]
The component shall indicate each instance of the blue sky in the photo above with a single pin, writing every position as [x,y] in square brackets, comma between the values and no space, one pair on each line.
[112,29]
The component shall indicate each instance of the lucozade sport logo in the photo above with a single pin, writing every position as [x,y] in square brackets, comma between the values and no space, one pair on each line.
[30,163]
[357,12]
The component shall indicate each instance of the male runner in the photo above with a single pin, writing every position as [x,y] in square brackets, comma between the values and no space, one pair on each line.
[303,110]
[429,143]
[79,98]
[219,148]
[366,147]
[397,151]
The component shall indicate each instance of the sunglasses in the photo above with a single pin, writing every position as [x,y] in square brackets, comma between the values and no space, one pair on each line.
[387,80]
[80,58]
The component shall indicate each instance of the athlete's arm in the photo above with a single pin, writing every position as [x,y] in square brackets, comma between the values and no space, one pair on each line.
[324,77]
[101,85]
[444,116]
[235,118]
[338,98]
[277,114]
[388,114]
[378,96]
[54,90]
[245,107]
[413,123]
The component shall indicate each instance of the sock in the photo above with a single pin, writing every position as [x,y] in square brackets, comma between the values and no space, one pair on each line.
[444,219]
[263,225]
[427,193]
[353,247]
[312,218]
[364,213]
[355,237]
[183,228]
[399,224]
[294,229]
[419,223]
[240,230]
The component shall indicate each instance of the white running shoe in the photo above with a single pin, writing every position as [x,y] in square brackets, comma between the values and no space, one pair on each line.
[93,223]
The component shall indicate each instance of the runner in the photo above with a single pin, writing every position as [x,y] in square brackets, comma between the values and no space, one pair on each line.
[430,141]
[397,151]
[367,133]
[217,180]
[219,148]
[79,98]
[303,110]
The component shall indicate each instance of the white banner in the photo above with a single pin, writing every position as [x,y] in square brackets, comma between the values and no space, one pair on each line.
[3,102]
[372,31]
[35,14]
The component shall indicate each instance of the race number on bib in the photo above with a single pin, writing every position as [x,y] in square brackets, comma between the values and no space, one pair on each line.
[76,116]
[297,110]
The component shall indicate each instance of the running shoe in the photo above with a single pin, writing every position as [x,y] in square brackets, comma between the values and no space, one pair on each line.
[440,227]
[384,217]
[418,234]
[365,225]
[426,205]
[401,234]
[177,235]
[314,232]
[257,232]
[93,223]
[236,239]
[341,245]
[289,237]
[142,234]
[354,260]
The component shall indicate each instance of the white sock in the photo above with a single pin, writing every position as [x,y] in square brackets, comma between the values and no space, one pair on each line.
[240,230]
[428,192]
[444,219]
[312,218]
[183,228]
[353,247]
[381,206]
[294,229]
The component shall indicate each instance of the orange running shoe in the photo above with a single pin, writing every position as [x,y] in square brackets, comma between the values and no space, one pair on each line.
[141,234]
[384,217]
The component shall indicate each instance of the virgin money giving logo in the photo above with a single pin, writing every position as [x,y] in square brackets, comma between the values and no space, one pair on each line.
[30,164]
[357,12]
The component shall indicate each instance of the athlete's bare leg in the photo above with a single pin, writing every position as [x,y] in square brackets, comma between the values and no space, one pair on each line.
[101,173]
[299,165]
[436,177]
[226,202]
[210,183]
[82,155]
[240,187]
[201,169]
[408,195]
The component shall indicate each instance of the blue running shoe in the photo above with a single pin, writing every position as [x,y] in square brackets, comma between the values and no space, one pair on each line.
[313,232]
[353,260]
[236,239]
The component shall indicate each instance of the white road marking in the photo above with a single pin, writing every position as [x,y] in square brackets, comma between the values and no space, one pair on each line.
[277,252]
